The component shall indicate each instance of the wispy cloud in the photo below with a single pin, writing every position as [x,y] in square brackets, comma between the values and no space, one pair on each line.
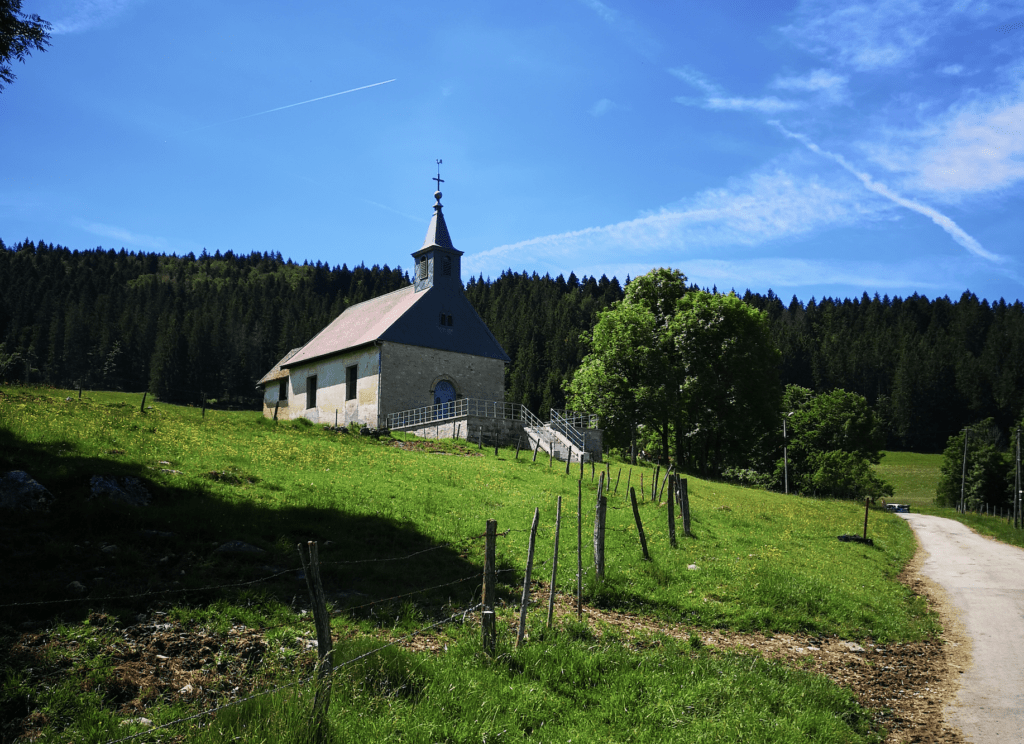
[626,27]
[716,99]
[124,236]
[83,15]
[749,211]
[952,70]
[824,83]
[602,107]
[973,148]
[782,273]
[954,230]
[885,33]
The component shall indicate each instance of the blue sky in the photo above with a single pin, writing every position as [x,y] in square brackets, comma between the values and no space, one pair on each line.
[815,148]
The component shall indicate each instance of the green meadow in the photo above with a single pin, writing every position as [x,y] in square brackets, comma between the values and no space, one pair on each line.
[913,475]
[399,526]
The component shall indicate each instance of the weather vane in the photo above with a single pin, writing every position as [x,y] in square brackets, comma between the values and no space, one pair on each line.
[438,179]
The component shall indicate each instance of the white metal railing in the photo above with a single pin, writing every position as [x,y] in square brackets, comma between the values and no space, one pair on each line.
[561,424]
[576,418]
[463,407]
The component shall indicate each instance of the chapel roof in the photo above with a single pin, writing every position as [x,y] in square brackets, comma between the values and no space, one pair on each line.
[276,372]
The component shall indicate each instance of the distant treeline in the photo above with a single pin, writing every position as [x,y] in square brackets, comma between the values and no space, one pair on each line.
[186,326]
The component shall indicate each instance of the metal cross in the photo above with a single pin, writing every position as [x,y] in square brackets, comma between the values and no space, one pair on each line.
[438,179]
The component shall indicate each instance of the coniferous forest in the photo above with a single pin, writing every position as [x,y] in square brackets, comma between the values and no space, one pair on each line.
[188,327]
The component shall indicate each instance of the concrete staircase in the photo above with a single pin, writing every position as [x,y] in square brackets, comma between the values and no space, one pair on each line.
[553,441]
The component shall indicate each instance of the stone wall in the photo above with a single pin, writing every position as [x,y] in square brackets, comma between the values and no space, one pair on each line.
[409,374]
[506,431]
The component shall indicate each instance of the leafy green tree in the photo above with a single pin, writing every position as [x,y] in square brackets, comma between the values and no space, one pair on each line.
[729,371]
[833,440]
[614,379]
[19,35]
[989,472]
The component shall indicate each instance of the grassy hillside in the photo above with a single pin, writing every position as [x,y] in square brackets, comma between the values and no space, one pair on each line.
[757,561]
[913,475]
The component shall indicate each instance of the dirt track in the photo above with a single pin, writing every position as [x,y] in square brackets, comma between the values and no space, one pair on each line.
[983,581]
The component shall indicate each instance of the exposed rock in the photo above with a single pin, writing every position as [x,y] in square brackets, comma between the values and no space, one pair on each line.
[21,492]
[692,567]
[125,489]
[75,589]
[237,546]
[144,722]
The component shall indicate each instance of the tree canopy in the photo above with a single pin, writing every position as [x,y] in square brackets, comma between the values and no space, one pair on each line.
[19,35]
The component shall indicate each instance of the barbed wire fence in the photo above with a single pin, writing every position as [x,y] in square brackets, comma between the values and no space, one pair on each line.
[321,615]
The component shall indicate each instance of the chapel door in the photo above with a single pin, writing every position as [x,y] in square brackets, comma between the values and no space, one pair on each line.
[444,396]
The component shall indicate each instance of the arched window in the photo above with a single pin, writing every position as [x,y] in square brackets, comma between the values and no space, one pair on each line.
[444,397]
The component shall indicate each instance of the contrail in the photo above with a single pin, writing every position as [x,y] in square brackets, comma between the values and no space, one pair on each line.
[954,230]
[293,105]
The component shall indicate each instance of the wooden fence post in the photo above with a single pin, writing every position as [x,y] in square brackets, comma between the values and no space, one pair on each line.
[278,403]
[654,482]
[142,408]
[684,497]
[600,514]
[617,476]
[480,438]
[867,503]
[204,405]
[568,460]
[536,447]
[79,389]
[639,525]
[668,476]
[579,551]
[629,479]
[526,579]
[551,453]
[519,443]
[495,445]
[324,643]
[554,563]
[670,507]
[488,624]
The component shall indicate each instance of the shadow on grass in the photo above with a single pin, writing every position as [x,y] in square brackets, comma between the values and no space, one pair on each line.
[132,559]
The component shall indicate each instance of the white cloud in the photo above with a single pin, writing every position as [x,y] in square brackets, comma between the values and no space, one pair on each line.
[976,147]
[602,107]
[631,32]
[747,212]
[765,105]
[953,70]
[826,83]
[886,33]
[76,16]
[125,236]
[716,99]
[790,273]
[947,224]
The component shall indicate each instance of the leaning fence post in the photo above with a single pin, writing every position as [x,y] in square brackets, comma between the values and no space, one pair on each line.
[579,550]
[554,563]
[600,514]
[519,443]
[322,696]
[568,461]
[639,525]
[654,482]
[487,622]
[142,408]
[278,403]
[526,579]
[670,507]
[535,448]
[663,484]
[617,476]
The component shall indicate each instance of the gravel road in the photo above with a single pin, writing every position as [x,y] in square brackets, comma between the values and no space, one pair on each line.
[984,584]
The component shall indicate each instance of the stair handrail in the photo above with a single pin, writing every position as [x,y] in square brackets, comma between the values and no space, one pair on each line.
[560,424]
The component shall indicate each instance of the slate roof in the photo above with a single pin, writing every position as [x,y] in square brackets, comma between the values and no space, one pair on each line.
[437,231]
[277,373]
[406,317]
